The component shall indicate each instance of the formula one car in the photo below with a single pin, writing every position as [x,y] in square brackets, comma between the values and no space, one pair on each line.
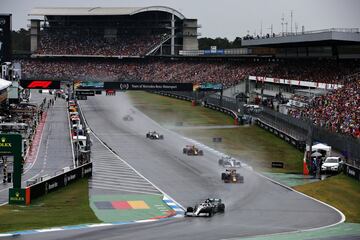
[229,162]
[231,176]
[154,135]
[206,208]
[128,118]
[191,150]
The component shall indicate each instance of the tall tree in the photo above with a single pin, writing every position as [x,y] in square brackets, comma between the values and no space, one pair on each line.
[220,43]
[20,40]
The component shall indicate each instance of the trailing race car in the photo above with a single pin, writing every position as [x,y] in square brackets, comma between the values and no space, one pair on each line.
[206,208]
[128,118]
[231,176]
[154,135]
[192,150]
[229,162]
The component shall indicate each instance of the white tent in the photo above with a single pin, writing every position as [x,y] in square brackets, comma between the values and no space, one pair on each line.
[4,84]
[322,148]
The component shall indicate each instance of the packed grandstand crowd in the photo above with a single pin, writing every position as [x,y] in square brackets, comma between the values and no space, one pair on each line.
[159,71]
[70,42]
[338,110]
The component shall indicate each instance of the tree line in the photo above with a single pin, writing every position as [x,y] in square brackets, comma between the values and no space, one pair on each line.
[220,43]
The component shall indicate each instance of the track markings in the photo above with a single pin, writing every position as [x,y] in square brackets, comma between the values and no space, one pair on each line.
[110,173]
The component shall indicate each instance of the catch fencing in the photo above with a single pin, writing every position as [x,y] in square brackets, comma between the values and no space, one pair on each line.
[294,128]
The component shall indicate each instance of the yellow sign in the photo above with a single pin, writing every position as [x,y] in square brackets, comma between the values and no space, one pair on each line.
[17,197]
[3,143]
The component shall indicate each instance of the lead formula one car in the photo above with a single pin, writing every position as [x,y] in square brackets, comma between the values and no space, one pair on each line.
[206,208]
[229,162]
[191,150]
[154,135]
[231,176]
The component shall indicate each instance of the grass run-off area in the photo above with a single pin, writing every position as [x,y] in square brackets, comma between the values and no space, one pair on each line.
[66,206]
[251,144]
[339,191]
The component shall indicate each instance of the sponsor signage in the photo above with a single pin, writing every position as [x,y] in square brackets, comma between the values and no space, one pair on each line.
[5,38]
[81,97]
[148,86]
[40,84]
[85,93]
[352,172]
[217,139]
[208,87]
[17,196]
[41,188]
[277,164]
[11,144]
[295,82]
[219,52]
[90,85]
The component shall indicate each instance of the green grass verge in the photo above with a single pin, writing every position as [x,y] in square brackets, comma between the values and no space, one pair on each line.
[252,144]
[339,191]
[67,206]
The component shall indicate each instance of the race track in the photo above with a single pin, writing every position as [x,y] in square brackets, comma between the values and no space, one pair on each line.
[256,207]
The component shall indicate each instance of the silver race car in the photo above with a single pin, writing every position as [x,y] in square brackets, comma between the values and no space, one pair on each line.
[229,162]
[207,208]
[154,135]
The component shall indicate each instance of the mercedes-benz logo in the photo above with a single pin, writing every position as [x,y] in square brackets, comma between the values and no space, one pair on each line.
[124,86]
[2,21]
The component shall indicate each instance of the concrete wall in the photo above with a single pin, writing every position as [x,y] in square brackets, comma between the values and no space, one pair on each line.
[190,34]
[34,34]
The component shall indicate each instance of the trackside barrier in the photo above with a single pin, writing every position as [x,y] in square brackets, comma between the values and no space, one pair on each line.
[58,181]
[229,112]
[215,107]
[352,171]
[299,144]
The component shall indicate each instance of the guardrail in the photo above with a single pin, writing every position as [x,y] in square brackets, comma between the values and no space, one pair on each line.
[352,171]
[299,144]
[49,184]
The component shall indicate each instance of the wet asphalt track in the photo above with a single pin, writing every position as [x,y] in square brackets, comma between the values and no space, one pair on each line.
[256,207]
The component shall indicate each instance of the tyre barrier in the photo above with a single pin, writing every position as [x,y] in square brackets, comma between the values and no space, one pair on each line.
[299,144]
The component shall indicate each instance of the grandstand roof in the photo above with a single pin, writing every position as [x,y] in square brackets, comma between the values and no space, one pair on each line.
[320,37]
[100,11]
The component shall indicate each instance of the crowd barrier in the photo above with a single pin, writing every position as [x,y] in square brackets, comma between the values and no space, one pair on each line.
[299,144]
[346,145]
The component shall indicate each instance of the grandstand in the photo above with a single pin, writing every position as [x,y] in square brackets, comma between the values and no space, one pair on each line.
[306,75]
[111,32]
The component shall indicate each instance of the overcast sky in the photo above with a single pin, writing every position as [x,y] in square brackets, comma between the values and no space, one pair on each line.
[225,18]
